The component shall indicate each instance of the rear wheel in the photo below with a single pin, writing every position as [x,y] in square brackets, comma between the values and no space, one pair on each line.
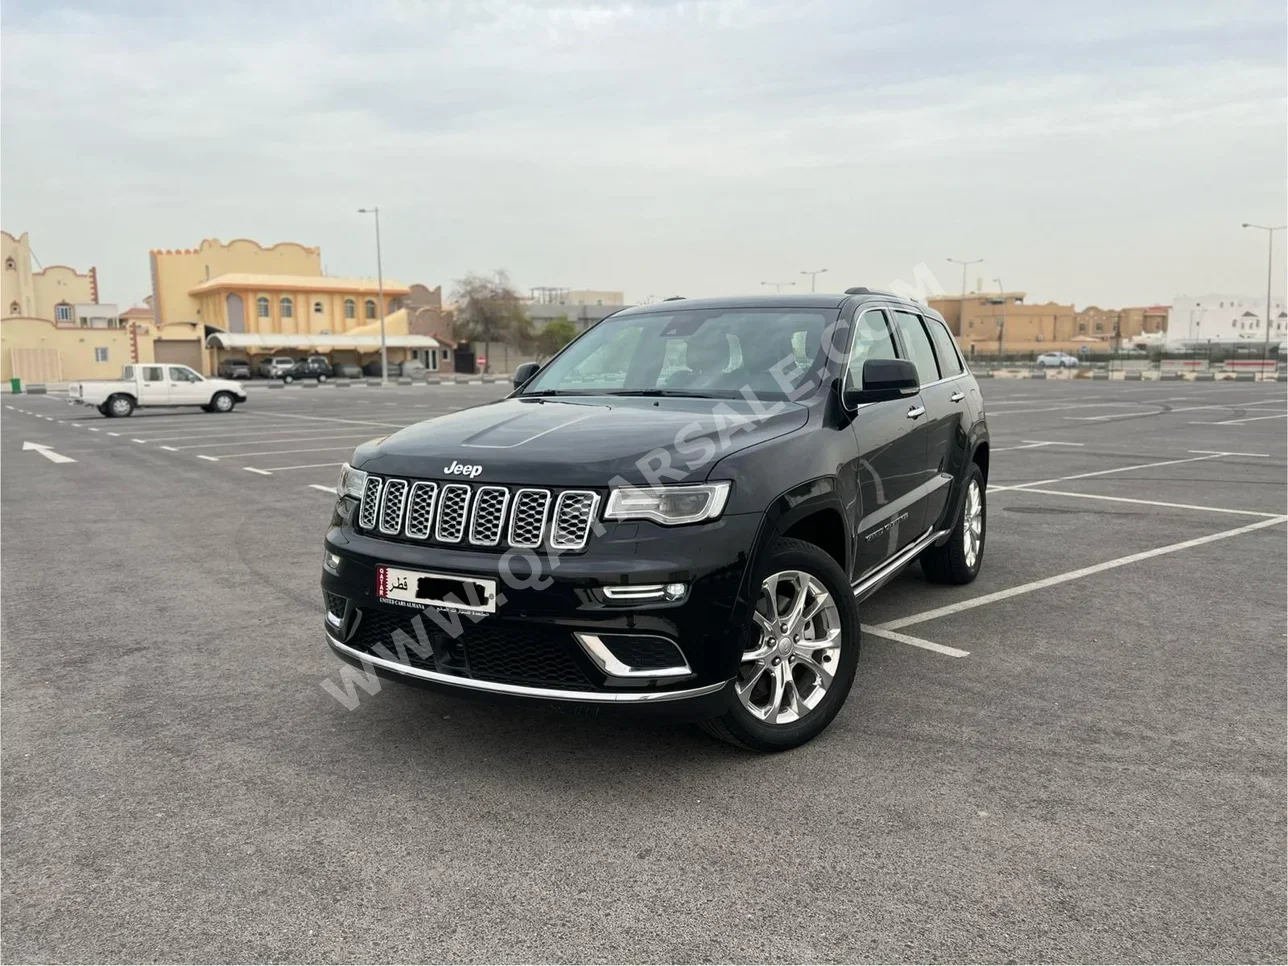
[959,559]
[801,653]
[119,406]
[321,377]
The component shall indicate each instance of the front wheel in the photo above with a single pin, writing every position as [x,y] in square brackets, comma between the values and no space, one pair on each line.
[222,402]
[800,656]
[321,377]
[119,406]
[958,561]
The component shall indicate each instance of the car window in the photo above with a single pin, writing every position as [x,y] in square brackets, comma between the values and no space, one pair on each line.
[181,374]
[949,361]
[127,372]
[153,374]
[918,344]
[872,340]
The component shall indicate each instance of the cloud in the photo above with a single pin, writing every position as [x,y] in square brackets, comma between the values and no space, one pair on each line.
[688,146]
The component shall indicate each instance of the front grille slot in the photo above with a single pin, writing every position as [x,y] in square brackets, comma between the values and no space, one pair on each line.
[482,516]
[391,507]
[574,514]
[451,513]
[370,503]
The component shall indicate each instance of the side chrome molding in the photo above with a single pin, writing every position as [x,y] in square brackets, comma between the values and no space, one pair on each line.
[873,581]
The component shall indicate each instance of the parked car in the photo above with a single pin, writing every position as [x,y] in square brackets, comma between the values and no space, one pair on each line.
[234,369]
[157,385]
[275,367]
[1056,360]
[373,369]
[348,370]
[670,562]
[313,367]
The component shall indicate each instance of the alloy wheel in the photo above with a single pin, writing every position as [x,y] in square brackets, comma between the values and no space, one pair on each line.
[973,524]
[785,676]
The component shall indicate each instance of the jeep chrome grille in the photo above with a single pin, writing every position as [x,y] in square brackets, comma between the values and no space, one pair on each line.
[483,516]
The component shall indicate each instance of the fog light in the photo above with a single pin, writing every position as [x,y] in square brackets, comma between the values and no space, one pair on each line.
[674,591]
[331,562]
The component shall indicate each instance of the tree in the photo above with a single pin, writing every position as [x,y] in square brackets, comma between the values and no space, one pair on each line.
[556,334]
[489,310]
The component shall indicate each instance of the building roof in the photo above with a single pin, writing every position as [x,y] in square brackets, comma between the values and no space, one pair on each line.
[298,283]
[270,342]
[137,312]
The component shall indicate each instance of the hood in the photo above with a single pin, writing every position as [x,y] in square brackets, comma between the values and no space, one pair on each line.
[579,442]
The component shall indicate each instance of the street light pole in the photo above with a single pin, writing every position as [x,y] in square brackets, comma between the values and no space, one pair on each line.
[778,286]
[1001,329]
[961,306]
[1270,269]
[813,276]
[380,290]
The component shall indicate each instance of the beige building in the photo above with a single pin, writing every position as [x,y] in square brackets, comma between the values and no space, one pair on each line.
[243,288]
[53,327]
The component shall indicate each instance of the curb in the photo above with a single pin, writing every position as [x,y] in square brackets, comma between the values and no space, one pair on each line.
[404,381]
[275,385]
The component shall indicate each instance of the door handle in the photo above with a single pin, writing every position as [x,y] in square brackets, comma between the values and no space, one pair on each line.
[916,412]
[957,397]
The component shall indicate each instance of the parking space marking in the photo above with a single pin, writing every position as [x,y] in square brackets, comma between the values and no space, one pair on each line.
[251,469]
[880,631]
[285,428]
[1223,452]
[1117,469]
[138,440]
[1081,572]
[1035,444]
[170,448]
[268,442]
[113,434]
[283,452]
[324,489]
[1128,499]
[302,466]
[213,459]
[332,419]
[92,429]
[1236,422]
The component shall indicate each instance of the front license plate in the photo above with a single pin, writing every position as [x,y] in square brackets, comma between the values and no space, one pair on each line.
[416,588]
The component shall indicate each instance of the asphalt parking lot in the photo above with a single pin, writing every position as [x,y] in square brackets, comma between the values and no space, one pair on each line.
[1078,757]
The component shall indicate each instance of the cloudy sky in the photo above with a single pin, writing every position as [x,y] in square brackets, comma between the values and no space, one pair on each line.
[1096,152]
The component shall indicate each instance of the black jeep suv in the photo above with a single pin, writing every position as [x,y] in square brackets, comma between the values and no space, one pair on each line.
[681,510]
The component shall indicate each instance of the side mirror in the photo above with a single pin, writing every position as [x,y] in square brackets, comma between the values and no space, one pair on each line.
[524,373]
[884,379]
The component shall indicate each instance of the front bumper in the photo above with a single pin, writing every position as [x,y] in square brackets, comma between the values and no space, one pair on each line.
[534,645]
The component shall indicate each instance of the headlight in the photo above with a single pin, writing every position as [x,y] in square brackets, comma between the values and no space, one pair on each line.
[352,482]
[668,505]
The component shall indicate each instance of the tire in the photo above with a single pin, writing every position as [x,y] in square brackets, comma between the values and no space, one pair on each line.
[222,402]
[288,378]
[321,377]
[102,409]
[802,709]
[119,406]
[953,563]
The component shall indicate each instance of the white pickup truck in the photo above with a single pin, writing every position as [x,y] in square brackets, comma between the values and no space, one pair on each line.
[157,385]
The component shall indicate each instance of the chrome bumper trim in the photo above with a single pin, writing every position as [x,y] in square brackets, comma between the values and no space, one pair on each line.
[875,580]
[549,694]
[607,661]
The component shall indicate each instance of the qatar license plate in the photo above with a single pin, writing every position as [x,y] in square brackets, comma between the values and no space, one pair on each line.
[415,588]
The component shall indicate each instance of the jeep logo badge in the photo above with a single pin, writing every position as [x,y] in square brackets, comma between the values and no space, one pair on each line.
[463,469]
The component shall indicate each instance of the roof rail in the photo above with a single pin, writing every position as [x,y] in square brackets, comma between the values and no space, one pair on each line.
[858,290]
[674,298]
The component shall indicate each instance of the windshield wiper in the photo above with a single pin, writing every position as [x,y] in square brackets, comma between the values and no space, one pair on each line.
[553,392]
[677,393]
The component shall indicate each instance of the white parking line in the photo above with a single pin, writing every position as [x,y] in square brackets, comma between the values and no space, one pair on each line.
[1045,582]
[138,440]
[282,452]
[251,469]
[1236,422]
[914,641]
[113,434]
[269,442]
[213,459]
[332,419]
[324,489]
[303,466]
[1118,469]
[170,448]
[1220,452]
[1128,499]
[1035,444]
[92,429]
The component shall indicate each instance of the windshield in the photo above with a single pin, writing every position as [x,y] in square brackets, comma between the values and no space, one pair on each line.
[720,353]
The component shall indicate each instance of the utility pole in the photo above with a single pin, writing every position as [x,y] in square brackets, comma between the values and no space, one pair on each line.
[813,276]
[380,290]
[1270,269]
[961,306]
[778,286]
[1001,328]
